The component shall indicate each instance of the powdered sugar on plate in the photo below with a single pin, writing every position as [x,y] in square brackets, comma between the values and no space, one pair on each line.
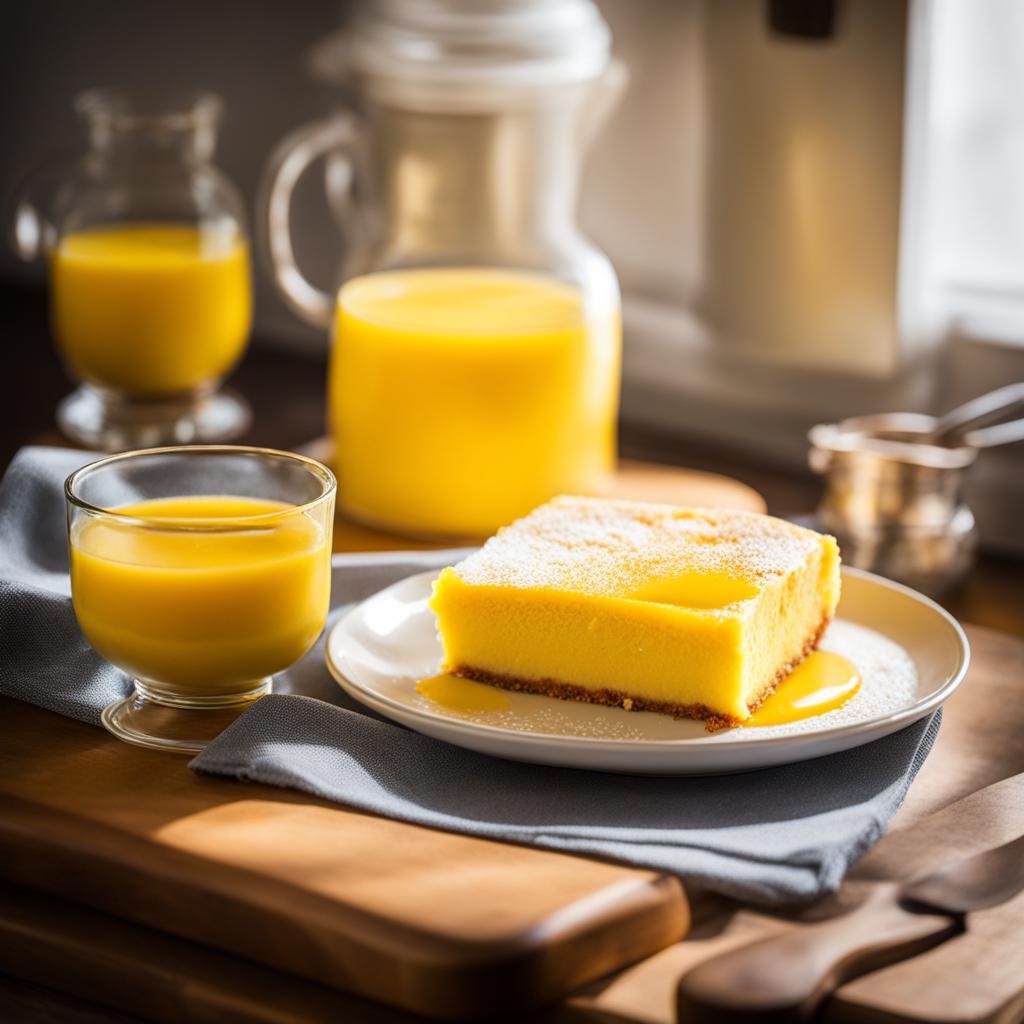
[910,654]
[889,683]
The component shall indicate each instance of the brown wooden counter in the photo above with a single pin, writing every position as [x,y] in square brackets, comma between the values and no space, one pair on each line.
[56,946]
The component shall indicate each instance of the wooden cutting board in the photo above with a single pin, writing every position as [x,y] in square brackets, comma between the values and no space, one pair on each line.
[155,976]
[976,978]
[86,819]
[429,921]
[425,920]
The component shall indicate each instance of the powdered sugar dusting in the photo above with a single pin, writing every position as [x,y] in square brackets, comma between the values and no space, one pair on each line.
[611,548]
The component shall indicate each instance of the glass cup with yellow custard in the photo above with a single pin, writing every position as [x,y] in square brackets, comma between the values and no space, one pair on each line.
[200,571]
[150,280]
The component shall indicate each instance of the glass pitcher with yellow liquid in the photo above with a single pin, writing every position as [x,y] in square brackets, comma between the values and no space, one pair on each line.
[475,364]
[150,284]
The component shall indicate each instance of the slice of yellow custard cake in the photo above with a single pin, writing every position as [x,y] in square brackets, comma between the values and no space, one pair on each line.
[694,612]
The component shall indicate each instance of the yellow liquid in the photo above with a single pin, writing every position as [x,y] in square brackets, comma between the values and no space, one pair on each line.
[822,682]
[461,399]
[150,309]
[201,612]
[460,694]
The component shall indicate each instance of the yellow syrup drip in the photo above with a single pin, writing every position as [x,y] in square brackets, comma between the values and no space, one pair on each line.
[462,694]
[822,682]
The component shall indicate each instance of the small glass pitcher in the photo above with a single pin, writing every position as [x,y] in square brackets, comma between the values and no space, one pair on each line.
[150,281]
[476,339]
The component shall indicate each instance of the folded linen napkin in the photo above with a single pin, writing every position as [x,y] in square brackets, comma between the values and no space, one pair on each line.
[773,836]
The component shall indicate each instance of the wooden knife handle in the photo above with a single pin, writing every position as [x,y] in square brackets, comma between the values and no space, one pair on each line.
[786,976]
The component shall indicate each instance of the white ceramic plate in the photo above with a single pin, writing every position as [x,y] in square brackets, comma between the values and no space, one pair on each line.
[911,655]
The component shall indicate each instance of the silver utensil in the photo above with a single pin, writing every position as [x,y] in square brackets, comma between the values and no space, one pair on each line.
[977,423]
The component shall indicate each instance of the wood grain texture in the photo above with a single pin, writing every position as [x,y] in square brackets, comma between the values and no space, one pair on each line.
[425,920]
[982,738]
[155,976]
[789,976]
[976,977]
[647,481]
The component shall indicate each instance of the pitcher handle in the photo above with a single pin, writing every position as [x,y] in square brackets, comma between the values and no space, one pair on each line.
[31,230]
[288,162]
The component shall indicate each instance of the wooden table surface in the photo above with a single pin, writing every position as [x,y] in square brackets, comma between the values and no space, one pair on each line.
[976,977]
[287,395]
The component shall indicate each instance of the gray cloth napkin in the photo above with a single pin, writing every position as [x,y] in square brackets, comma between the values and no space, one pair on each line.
[780,835]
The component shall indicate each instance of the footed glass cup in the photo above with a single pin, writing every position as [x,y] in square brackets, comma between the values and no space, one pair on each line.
[201,572]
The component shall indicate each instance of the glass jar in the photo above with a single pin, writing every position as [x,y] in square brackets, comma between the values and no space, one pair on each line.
[475,364]
[150,282]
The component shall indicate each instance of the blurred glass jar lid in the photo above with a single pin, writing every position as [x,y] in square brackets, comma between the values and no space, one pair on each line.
[461,51]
